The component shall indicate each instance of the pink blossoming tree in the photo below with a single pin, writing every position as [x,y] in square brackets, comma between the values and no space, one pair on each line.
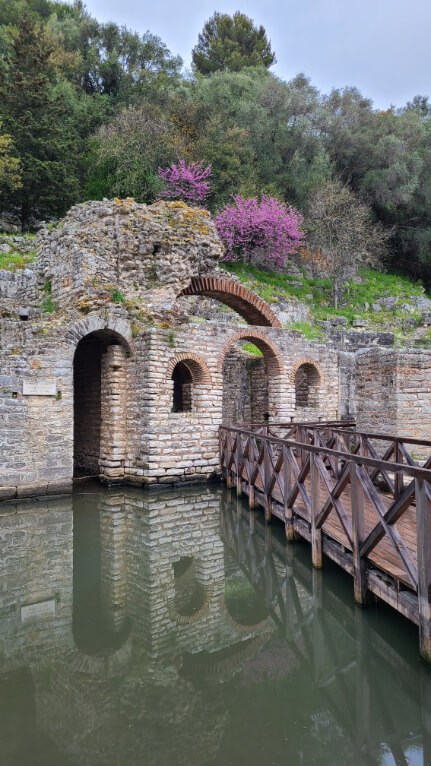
[186,182]
[264,232]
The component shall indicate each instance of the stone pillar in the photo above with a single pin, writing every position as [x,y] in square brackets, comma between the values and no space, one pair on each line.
[113,410]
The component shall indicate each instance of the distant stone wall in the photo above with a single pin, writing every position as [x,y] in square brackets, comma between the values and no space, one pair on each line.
[394,392]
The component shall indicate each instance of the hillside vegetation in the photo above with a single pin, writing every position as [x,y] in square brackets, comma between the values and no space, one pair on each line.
[374,301]
[91,110]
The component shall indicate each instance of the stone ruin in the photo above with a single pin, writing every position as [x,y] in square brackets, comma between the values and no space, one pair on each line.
[107,369]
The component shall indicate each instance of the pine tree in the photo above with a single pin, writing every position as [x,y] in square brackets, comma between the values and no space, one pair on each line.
[231,42]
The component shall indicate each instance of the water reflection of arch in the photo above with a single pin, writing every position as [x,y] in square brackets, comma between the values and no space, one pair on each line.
[192,594]
[100,625]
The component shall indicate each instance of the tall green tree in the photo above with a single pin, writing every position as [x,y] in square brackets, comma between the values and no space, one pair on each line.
[231,42]
[10,179]
[35,116]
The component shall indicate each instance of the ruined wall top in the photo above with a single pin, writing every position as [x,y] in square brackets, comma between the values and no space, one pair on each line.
[147,253]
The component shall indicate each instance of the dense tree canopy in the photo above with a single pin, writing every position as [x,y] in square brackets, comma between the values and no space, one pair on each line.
[231,42]
[89,110]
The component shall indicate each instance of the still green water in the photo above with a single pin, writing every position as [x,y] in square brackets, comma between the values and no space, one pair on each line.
[177,629]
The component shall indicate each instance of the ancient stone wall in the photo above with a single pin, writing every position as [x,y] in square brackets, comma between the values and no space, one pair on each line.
[125,424]
[88,388]
[394,392]
[148,254]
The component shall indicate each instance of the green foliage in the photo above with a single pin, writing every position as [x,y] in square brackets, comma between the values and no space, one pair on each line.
[231,42]
[48,305]
[35,117]
[309,330]
[117,296]
[16,258]
[10,178]
[91,110]
[252,349]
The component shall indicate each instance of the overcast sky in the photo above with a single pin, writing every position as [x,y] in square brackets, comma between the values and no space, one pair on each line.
[380,46]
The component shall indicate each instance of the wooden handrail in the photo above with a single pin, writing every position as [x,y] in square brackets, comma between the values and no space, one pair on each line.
[325,493]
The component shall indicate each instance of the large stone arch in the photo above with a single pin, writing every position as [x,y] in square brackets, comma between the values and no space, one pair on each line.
[245,302]
[265,345]
[119,329]
[274,369]
[101,348]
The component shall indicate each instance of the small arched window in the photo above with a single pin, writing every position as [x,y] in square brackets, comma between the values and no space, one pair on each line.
[183,382]
[307,386]
[190,378]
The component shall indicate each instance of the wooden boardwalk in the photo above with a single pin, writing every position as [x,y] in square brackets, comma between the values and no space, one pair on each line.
[359,498]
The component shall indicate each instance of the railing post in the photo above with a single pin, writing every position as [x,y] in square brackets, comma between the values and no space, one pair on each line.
[238,461]
[288,512]
[399,477]
[251,499]
[267,478]
[316,533]
[423,526]
[358,533]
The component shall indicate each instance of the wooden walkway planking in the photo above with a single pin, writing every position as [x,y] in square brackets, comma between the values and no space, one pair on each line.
[322,484]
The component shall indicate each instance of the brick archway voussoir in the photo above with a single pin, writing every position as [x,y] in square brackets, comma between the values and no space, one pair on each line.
[263,343]
[244,301]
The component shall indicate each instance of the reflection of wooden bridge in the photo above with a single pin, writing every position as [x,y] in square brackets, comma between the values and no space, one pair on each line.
[361,499]
[352,670]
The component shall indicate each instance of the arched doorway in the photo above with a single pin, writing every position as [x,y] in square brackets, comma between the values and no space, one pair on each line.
[251,367]
[307,379]
[100,397]
[245,384]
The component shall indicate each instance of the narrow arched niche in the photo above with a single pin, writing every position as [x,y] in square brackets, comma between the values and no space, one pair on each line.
[189,374]
[182,391]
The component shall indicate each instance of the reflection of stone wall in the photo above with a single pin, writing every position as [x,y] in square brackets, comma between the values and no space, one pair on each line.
[83,702]
[36,566]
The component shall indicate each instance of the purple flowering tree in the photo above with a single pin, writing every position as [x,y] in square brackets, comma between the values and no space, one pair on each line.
[186,182]
[264,232]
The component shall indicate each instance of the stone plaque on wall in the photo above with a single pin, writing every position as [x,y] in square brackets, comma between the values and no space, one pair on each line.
[38,611]
[39,388]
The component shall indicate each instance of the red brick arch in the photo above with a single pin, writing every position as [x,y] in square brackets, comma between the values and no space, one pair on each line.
[312,363]
[270,352]
[198,368]
[245,302]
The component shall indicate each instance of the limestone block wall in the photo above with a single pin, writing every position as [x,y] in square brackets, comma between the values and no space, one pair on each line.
[183,446]
[393,391]
[36,431]
[123,425]
[37,404]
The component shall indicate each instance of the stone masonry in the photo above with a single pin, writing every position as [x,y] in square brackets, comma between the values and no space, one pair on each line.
[90,340]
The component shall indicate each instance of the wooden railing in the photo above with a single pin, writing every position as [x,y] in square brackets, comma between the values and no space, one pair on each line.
[323,487]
